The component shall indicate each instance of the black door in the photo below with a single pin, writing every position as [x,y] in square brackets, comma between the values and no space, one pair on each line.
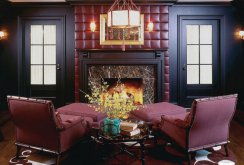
[199,59]
[42,59]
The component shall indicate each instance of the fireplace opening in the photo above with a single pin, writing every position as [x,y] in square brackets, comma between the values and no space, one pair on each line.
[132,88]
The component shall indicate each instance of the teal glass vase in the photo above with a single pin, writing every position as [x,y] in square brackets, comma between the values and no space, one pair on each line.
[111,126]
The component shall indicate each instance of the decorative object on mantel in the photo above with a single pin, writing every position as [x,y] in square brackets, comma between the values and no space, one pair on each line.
[123,22]
[116,105]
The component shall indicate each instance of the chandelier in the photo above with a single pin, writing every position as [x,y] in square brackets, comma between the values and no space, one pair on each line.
[124,15]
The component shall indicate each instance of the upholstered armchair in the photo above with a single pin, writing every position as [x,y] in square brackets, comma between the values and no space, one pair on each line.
[39,127]
[206,125]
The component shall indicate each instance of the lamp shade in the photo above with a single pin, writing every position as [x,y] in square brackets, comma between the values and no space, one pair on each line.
[124,18]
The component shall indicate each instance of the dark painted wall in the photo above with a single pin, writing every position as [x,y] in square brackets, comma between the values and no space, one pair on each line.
[239,4]
[9,47]
[233,63]
[8,60]
[231,51]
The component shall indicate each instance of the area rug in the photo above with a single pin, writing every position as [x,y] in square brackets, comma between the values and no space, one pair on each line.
[160,155]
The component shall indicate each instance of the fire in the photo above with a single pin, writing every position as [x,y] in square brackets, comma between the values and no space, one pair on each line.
[129,88]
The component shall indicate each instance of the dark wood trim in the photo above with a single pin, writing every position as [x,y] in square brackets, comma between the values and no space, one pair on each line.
[39,4]
[111,1]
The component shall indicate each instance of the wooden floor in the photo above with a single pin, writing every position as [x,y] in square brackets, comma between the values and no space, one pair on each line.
[7,147]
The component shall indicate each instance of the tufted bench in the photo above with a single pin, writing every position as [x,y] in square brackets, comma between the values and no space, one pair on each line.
[152,113]
[84,110]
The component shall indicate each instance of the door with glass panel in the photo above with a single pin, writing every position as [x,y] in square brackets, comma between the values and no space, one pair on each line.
[43,59]
[199,60]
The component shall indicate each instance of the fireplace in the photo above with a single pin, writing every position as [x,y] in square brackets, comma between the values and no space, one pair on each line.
[144,70]
[127,87]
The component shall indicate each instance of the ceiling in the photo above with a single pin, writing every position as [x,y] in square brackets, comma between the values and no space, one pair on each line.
[37,0]
[101,1]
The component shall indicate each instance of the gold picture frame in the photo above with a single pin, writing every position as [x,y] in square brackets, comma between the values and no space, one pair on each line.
[138,35]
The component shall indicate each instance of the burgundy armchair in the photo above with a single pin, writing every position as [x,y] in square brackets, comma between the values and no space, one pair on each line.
[206,125]
[39,127]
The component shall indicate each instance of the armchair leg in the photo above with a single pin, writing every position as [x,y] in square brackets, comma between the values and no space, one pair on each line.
[58,159]
[18,148]
[189,158]
[226,149]
[155,139]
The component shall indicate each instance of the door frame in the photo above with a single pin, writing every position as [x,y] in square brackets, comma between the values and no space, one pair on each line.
[21,55]
[221,50]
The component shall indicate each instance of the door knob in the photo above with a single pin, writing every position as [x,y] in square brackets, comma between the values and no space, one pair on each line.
[184,67]
[58,67]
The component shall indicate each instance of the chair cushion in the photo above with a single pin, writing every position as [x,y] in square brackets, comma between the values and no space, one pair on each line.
[180,120]
[152,112]
[83,110]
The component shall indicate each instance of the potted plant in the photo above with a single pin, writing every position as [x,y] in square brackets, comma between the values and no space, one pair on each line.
[116,104]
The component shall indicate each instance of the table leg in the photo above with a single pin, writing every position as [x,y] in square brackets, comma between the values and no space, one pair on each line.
[142,151]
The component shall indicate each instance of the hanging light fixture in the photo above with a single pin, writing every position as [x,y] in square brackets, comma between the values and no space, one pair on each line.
[123,14]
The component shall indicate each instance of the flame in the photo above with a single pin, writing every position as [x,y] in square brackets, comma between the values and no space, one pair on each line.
[125,90]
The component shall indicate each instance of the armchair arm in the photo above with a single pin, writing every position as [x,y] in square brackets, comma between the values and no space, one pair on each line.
[179,120]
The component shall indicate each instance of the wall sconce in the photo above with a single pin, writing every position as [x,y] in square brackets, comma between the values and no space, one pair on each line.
[241,34]
[150,26]
[2,34]
[93,26]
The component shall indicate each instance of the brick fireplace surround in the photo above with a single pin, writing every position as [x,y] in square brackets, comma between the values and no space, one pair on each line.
[87,41]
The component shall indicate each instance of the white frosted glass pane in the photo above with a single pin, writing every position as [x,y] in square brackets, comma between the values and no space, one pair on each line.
[36,34]
[205,34]
[134,18]
[49,34]
[50,75]
[36,74]
[49,54]
[192,54]
[120,18]
[192,74]
[206,54]
[206,74]
[36,54]
[192,32]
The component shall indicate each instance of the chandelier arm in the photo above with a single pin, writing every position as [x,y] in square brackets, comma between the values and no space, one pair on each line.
[113,5]
[127,4]
[134,5]
[123,5]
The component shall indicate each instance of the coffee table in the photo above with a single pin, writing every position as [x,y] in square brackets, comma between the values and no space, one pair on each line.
[121,141]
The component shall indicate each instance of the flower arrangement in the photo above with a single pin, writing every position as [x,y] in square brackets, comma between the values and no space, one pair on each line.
[116,104]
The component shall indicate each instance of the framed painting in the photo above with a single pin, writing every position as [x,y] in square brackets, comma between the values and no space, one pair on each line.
[118,36]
